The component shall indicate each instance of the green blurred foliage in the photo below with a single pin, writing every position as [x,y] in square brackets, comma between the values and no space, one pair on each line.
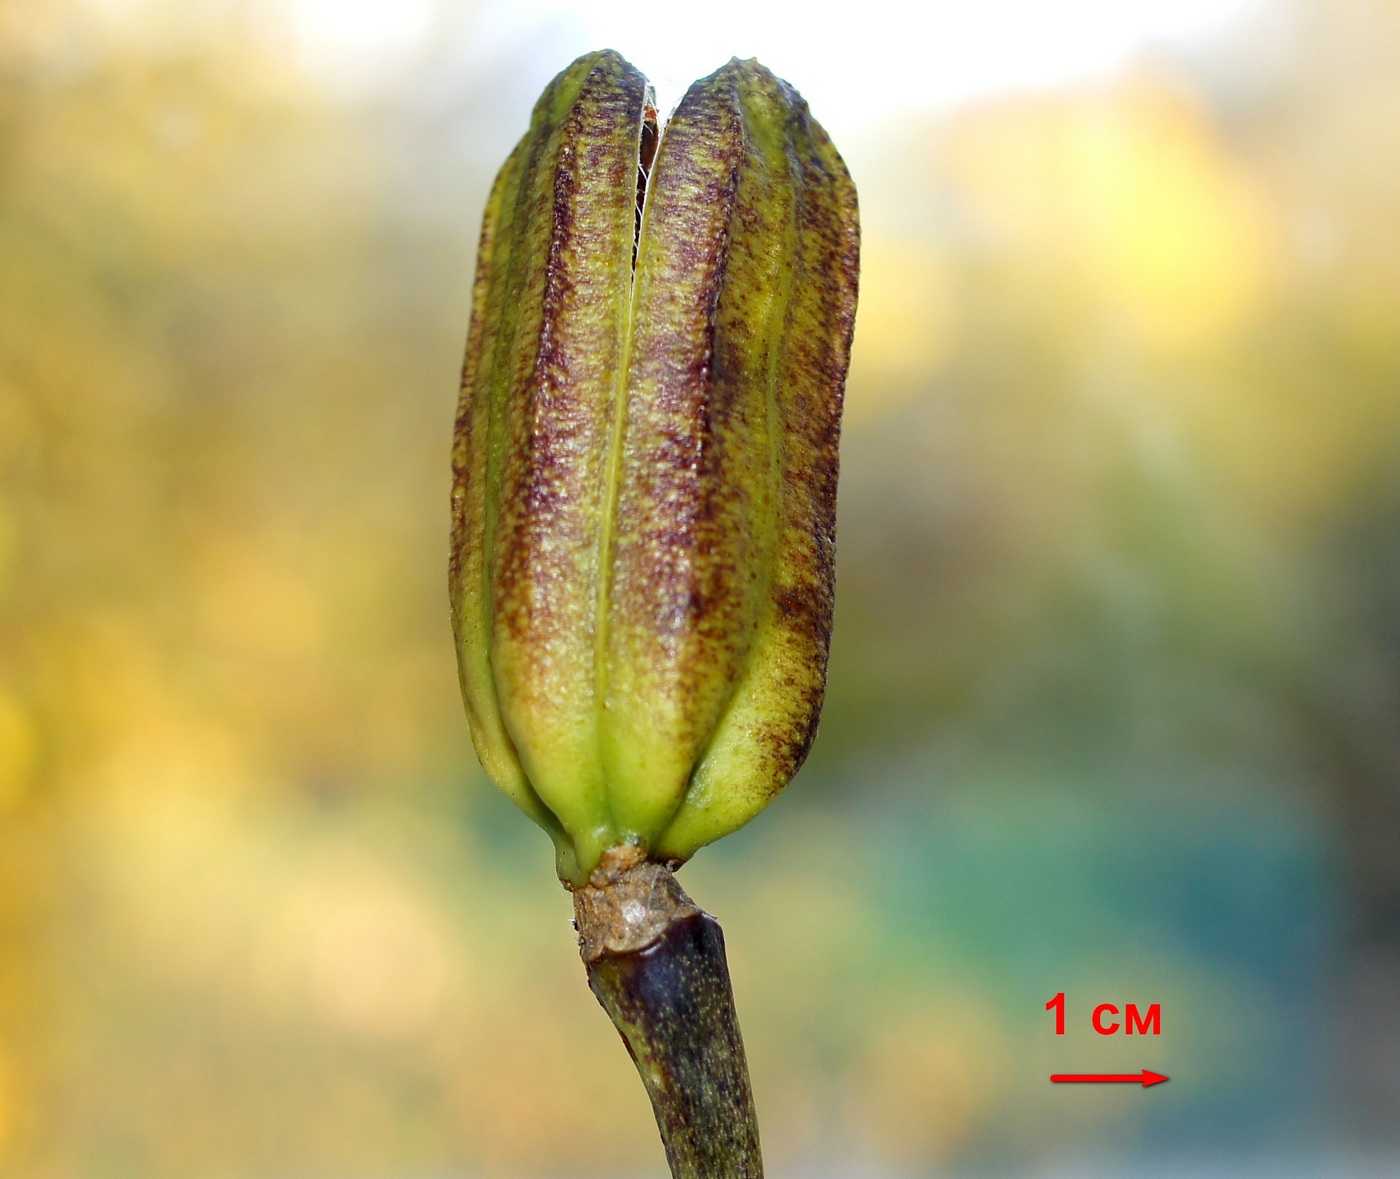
[1120,585]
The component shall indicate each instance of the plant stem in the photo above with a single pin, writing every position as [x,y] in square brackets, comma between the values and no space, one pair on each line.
[656,963]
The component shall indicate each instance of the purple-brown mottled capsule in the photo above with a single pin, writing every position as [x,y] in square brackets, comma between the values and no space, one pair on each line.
[646,457]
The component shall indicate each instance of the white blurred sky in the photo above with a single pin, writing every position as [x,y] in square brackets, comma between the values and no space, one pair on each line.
[855,60]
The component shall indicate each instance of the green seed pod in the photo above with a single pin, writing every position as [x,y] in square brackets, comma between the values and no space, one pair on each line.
[646,457]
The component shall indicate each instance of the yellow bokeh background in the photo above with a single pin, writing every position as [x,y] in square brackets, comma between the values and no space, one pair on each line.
[1114,684]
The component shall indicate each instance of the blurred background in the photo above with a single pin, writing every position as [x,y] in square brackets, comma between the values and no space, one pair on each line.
[1115,688]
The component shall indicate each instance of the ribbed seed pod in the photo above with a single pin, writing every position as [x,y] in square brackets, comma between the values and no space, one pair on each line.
[645,468]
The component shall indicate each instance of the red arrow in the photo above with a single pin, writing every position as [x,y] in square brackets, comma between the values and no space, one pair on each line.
[1147,1077]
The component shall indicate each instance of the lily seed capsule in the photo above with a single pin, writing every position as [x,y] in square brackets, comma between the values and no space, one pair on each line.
[646,457]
